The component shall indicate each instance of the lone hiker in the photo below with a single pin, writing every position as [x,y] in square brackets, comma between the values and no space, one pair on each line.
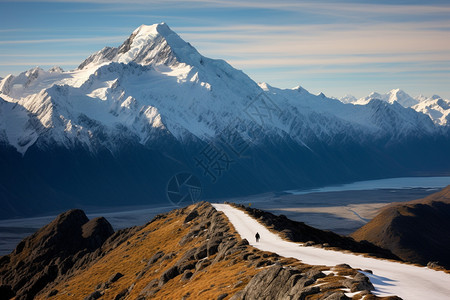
[257,237]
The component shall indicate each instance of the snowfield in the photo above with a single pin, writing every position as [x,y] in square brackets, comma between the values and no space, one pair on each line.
[389,278]
[156,83]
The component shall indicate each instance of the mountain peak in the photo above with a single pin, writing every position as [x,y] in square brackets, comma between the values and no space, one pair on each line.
[348,99]
[159,28]
[56,69]
[153,44]
[398,95]
[264,86]
[393,96]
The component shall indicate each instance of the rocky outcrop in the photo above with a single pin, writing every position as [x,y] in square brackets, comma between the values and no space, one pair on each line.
[310,236]
[51,252]
[278,282]
[416,231]
[216,241]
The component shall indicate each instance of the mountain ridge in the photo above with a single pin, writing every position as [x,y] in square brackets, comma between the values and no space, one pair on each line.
[191,252]
[414,230]
[437,108]
[155,53]
[130,118]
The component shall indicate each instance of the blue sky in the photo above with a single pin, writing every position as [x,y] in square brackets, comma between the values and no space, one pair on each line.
[335,47]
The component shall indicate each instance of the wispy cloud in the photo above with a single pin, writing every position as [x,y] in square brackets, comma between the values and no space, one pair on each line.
[359,61]
[284,53]
[350,10]
[12,30]
[108,39]
[290,5]
[39,55]
[318,44]
[41,63]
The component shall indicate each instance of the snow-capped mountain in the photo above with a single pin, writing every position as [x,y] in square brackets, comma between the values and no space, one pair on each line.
[376,119]
[130,117]
[435,107]
[348,99]
[156,82]
[394,96]
[153,75]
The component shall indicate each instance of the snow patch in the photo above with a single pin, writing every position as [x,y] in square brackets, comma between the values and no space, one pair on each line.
[389,278]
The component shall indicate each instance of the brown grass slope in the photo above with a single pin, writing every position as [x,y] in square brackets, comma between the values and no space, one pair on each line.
[417,231]
[189,253]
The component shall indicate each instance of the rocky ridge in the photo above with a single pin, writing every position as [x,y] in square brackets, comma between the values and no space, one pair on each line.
[189,253]
[55,250]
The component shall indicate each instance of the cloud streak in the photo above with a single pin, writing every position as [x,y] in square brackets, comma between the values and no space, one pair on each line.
[292,5]
[41,63]
[290,46]
[108,39]
[336,61]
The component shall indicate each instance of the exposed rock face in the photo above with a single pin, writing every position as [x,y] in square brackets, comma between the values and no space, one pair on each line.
[300,232]
[51,252]
[278,282]
[416,231]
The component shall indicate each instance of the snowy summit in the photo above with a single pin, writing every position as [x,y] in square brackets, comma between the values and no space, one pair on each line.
[156,80]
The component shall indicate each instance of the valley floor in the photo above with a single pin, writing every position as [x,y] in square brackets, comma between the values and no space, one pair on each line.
[389,278]
[342,211]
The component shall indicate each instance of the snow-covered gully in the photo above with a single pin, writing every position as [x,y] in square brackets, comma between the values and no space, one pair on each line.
[388,278]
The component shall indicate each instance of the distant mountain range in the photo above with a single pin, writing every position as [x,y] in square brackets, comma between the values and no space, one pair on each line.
[115,130]
[437,108]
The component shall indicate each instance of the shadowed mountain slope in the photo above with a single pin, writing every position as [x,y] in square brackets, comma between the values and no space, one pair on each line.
[416,231]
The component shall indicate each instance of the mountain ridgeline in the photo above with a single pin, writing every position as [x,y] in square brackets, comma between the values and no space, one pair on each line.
[416,231]
[115,130]
[188,253]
